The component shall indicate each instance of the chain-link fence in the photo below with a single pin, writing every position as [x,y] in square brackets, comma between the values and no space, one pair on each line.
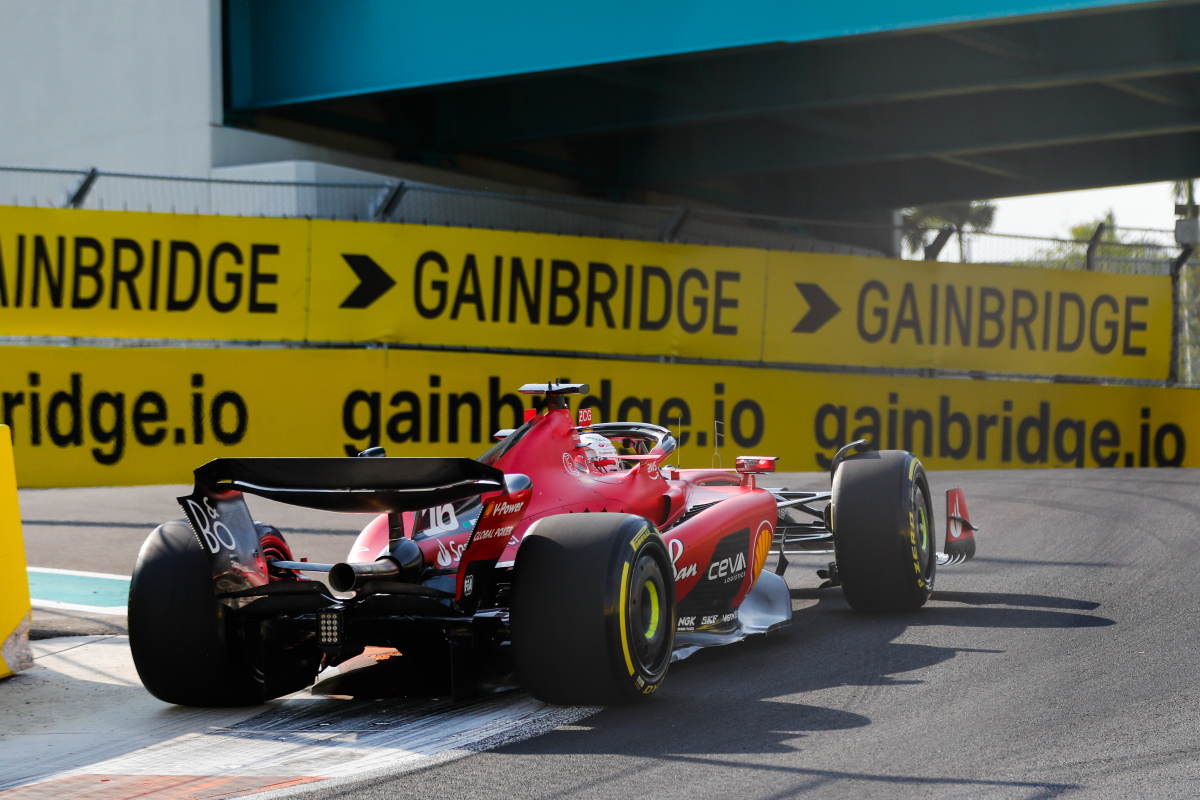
[1118,250]
[43,188]
[1126,250]
[1111,249]
[407,202]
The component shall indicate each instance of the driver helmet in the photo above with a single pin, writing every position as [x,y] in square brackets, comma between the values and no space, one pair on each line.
[601,454]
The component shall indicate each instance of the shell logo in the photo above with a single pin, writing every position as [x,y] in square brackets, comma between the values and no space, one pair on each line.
[762,547]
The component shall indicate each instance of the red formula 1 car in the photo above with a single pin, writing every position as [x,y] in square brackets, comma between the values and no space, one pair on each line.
[568,559]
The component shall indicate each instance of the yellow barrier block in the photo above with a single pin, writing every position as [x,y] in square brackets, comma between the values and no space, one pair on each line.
[14,582]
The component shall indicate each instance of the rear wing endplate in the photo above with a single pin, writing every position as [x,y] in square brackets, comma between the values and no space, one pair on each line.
[960,532]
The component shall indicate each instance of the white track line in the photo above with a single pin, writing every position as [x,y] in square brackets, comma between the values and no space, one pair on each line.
[116,611]
[77,573]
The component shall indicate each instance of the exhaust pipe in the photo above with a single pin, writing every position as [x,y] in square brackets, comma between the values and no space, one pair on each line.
[404,564]
[348,577]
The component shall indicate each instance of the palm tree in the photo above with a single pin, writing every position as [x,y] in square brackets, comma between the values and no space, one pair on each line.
[978,215]
[1184,191]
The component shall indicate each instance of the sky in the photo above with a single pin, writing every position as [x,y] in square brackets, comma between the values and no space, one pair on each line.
[1147,205]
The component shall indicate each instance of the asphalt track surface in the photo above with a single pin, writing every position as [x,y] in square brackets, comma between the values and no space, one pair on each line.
[1060,662]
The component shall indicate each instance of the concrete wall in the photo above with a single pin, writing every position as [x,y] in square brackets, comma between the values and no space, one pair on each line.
[135,86]
[132,85]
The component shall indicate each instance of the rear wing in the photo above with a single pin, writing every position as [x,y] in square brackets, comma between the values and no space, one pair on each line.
[359,485]
[227,534]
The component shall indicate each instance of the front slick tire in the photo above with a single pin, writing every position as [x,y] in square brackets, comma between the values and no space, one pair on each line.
[883,531]
[593,609]
[183,646]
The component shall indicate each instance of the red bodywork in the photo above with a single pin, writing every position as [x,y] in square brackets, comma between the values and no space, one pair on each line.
[718,553]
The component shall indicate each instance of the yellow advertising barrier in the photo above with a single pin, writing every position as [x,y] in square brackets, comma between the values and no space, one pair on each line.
[14,582]
[97,416]
[969,317]
[117,274]
[156,276]
[541,292]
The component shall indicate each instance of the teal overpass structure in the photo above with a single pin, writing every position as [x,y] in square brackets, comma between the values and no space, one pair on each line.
[839,110]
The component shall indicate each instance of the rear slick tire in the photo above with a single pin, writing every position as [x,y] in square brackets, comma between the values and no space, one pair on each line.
[883,531]
[593,609]
[183,646]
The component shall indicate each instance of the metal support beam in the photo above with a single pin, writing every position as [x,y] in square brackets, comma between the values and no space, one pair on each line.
[963,128]
[389,201]
[1149,90]
[828,192]
[1176,267]
[934,248]
[992,166]
[1091,248]
[988,42]
[670,229]
[632,79]
[79,196]
[1181,260]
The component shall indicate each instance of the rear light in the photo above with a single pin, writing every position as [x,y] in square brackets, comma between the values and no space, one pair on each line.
[752,464]
[330,627]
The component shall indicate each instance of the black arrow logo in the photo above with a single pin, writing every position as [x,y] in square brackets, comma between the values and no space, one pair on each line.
[821,308]
[373,281]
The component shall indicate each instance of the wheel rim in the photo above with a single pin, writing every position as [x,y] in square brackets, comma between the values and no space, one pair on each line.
[648,615]
[274,548]
[924,533]
[650,612]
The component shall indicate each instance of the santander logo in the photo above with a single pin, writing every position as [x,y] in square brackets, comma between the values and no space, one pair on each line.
[448,555]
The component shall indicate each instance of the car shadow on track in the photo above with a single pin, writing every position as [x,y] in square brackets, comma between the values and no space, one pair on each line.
[992,610]
[1010,599]
[756,706]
